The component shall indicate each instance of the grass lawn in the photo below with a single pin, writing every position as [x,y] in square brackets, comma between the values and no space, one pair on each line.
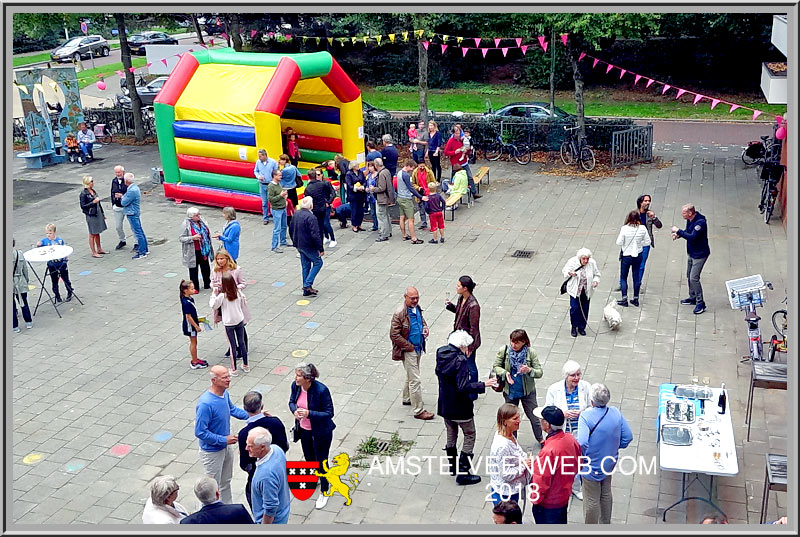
[89,76]
[25,60]
[599,101]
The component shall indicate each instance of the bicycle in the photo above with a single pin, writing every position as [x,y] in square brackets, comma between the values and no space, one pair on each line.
[574,148]
[781,324]
[759,152]
[771,173]
[496,149]
[747,299]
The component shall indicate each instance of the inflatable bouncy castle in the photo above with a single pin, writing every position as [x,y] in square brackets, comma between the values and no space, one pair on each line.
[218,108]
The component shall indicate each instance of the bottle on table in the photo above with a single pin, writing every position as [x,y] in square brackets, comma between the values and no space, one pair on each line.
[722,400]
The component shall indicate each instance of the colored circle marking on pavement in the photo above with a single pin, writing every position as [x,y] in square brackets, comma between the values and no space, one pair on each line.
[283,369]
[303,302]
[162,436]
[31,287]
[306,314]
[85,273]
[251,282]
[311,324]
[32,458]
[170,274]
[74,466]
[278,284]
[300,353]
[143,273]
[120,450]
[120,269]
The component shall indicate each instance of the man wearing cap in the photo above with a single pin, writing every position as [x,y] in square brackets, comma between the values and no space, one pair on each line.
[554,469]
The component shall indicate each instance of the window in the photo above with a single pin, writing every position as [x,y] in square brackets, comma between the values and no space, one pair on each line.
[538,111]
[517,111]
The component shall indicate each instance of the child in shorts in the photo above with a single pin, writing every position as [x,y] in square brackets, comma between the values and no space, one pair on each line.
[435,208]
[191,323]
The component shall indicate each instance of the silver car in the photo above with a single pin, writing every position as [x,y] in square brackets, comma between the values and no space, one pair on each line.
[81,47]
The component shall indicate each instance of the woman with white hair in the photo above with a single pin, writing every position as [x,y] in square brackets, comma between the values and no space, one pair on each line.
[312,405]
[455,404]
[161,506]
[584,276]
[196,247]
[571,395]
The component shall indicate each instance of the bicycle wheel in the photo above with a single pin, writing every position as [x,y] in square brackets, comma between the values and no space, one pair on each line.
[764,196]
[773,347]
[757,349]
[522,154]
[566,153]
[587,158]
[779,321]
[494,151]
[769,208]
[747,159]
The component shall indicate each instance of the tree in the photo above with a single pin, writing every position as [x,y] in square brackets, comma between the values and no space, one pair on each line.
[136,102]
[197,29]
[595,31]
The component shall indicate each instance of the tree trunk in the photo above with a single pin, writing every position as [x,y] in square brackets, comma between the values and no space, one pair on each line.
[236,35]
[227,22]
[577,76]
[136,102]
[552,71]
[197,29]
[423,83]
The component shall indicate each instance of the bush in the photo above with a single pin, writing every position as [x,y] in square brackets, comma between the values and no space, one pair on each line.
[399,88]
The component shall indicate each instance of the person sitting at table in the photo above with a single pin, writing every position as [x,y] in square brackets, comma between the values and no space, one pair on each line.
[72,148]
[86,140]
[57,268]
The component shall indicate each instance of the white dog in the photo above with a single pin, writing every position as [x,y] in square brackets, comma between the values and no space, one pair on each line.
[612,316]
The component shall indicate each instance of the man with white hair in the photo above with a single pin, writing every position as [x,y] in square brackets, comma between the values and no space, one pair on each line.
[455,405]
[118,186]
[213,510]
[263,172]
[389,154]
[307,238]
[602,432]
[571,395]
[270,489]
[130,201]
[212,427]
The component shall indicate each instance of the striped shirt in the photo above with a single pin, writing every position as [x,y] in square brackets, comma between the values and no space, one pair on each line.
[573,403]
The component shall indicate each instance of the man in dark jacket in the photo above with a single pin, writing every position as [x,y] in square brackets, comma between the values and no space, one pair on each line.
[389,154]
[455,405]
[254,406]
[118,185]
[323,195]
[306,237]
[408,333]
[213,510]
[696,235]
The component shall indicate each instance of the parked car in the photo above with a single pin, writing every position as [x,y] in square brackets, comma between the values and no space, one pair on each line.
[138,42]
[147,93]
[213,26]
[530,110]
[80,47]
[373,112]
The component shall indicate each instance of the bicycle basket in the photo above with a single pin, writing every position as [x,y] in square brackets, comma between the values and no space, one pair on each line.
[754,149]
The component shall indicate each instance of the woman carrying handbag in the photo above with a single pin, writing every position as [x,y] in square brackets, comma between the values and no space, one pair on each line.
[583,278]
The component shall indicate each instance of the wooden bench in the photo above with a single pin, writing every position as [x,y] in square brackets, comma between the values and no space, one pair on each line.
[41,159]
[451,204]
[775,479]
[764,375]
[482,174]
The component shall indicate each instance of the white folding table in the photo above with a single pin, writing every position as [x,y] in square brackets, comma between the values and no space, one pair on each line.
[43,254]
[698,458]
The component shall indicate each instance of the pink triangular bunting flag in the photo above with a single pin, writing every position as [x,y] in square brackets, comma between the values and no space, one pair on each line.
[477,41]
[164,61]
[253,33]
[191,50]
[581,56]
[542,43]
[497,42]
[484,51]
[120,73]
[733,107]
[444,47]
[649,81]
[211,42]
[149,64]
[680,92]
[697,98]
[505,51]
[132,69]
[524,49]
[756,113]
[636,81]
[564,38]
[288,36]
[609,68]
[464,51]
[666,89]
[224,36]
[425,44]
[622,73]
[204,46]
[594,63]
[714,102]
[519,41]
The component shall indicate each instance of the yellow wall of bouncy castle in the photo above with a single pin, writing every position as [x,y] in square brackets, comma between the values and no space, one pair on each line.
[352,123]
[268,133]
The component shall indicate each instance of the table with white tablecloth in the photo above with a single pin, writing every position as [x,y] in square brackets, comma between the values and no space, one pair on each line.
[44,254]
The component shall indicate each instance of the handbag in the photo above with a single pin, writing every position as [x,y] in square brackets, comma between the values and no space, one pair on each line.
[295,430]
[298,179]
[564,285]
[501,381]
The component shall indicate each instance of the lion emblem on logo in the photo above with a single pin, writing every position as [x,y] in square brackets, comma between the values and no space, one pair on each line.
[334,475]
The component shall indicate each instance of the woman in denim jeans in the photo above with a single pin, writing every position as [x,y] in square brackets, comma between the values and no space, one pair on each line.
[372,175]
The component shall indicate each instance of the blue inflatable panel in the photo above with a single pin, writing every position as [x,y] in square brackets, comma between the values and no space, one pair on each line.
[312,112]
[215,132]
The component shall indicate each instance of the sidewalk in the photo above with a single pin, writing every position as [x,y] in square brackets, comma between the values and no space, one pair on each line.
[103,399]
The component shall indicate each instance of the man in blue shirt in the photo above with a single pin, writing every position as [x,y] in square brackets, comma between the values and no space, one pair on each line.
[408,333]
[270,489]
[602,432]
[696,235]
[263,172]
[389,154]
[130,201]
[212,427]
